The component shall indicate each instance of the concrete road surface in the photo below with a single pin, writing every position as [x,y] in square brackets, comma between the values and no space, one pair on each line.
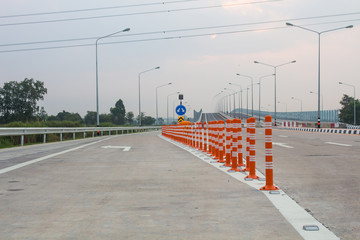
[102,189]
[321,172]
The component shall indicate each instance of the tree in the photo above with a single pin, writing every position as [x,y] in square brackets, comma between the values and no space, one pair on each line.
[42,114]
[18,100]
[346,114]
[129,117]
[90,118]
[66,116]
[105,118]
[161,121]
[148,121]
[118,113]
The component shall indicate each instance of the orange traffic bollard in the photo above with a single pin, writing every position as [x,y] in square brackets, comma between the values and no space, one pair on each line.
[239,143]
[247,168]
[252,163]
[201,133]
[228,142]
[268,156]
[221,142]
[205,137]
[234,146]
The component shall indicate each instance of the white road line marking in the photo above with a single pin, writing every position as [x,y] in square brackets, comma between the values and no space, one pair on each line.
[8,169]
[283,136]
[282,145]
[293,213]
[126,148]
[339,144]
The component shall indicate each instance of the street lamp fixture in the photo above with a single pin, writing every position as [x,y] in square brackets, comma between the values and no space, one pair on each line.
[319,34]
[97,81]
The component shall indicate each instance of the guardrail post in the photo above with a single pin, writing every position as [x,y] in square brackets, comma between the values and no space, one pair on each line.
[84,134]
[268,156]
[73,135]
[22,138]
[44,138]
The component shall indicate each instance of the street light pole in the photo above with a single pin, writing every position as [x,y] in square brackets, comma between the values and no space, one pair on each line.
[167,105]
[252,92]
[354,99]
[322,100]
[139,91]
[285,108]
[319,34]
[260,78]
[275,67]
[96,65]
[157,116]
[234,92]
[300,105]
[240,97]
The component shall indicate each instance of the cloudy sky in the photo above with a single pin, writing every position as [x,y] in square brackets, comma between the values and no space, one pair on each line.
[199,45]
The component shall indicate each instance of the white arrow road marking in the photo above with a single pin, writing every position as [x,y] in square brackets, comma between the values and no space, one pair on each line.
[339,144]
[282,145]
[126,148]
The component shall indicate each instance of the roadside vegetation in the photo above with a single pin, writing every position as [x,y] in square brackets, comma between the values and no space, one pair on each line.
[19,108]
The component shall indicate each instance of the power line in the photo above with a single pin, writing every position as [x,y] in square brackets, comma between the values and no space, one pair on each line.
[158,38]
[138,13]
[139,40]
[95,9]
[192,29]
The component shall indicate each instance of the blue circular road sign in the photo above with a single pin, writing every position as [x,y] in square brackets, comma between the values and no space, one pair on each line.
[180,110]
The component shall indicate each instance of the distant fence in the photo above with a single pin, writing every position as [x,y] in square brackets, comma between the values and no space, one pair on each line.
[325,115]
[92,130]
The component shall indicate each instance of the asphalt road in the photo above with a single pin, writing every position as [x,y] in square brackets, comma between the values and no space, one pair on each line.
[99,189]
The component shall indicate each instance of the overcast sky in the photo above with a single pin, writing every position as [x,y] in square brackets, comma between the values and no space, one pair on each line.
[199,46]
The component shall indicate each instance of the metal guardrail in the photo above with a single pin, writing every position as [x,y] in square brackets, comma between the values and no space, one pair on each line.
[44,131]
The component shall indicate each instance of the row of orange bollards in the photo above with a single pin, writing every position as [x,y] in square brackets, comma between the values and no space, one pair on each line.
[223,141]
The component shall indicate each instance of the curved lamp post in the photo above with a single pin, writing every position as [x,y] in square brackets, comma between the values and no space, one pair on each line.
[275,67]
[167,105]
[240,97]
[319,34]
[139,91]
[260,78]
[252,92]
[97,82]
[157,116]
[298,99]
